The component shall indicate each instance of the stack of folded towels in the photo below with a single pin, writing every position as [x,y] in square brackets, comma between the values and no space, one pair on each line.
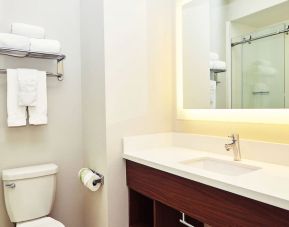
[26,88]
[215,63]
[28,38]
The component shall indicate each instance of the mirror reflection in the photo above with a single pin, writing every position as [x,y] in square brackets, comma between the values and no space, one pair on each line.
[235,54]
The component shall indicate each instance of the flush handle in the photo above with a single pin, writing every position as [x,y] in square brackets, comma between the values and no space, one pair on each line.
[12,185]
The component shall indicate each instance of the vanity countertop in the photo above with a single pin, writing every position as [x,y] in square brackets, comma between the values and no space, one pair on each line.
[269,184]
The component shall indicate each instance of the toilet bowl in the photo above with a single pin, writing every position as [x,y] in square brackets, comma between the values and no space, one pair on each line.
[29,194]
[41,222]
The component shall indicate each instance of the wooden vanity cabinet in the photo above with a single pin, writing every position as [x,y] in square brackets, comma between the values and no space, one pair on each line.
[157,198]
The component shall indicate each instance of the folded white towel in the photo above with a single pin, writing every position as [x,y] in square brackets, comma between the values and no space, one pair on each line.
[213,94]
[260,88]
[264,70]
[218,65]
[38,114]
[17,42]
[27,87]
[214,56]
[17,115]
[28,30]
[45,46]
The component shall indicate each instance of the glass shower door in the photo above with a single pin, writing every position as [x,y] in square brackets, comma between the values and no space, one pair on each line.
[263,73]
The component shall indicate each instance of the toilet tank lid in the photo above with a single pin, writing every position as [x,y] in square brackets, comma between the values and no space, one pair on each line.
[29,172]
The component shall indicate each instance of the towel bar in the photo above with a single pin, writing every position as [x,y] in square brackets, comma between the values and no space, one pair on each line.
[28,54]
[59,76]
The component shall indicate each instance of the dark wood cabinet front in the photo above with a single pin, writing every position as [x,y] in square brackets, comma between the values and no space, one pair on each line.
[166,195]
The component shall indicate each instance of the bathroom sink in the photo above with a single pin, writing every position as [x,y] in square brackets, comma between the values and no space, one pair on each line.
[230,168]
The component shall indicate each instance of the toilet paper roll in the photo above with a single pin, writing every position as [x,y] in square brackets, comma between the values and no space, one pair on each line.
[89,179]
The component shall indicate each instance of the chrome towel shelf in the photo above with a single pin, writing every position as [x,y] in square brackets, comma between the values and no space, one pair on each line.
[218,70]
[215,72]
[28,54]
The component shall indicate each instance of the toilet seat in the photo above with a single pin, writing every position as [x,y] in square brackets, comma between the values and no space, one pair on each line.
[41,222]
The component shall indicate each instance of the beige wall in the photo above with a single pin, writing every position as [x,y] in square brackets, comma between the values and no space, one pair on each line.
[195,52]
[127,90]
[93,100]
[126,76]
[60,141]
[218,15]
[241,8]
[264,132]
[138,60]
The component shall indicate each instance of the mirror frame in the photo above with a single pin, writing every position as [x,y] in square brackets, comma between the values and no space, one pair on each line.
[269,116]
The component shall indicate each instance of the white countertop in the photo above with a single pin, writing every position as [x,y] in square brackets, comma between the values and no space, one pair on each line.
[270,184]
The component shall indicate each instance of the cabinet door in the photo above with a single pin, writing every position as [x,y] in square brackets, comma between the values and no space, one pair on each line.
[140,210]
[165,216]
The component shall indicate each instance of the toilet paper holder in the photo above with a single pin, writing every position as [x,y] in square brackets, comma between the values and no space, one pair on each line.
[101,180]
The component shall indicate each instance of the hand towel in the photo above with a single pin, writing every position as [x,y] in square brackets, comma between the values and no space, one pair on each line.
[27,87]
[218,65]
[45,46]
[38,113]
[17,115]
[213,94]
[16,42]
[28,30]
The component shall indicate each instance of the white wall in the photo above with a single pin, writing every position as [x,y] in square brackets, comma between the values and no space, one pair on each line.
[93,97]
[195,48]
[126,71]
[60,141]
[218,16]
[127,66]
[242,8]
[138,67]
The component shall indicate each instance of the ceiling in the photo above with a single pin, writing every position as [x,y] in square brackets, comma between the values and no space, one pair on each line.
[273,15]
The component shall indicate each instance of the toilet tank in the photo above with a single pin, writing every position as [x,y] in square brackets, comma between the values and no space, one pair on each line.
[29,191]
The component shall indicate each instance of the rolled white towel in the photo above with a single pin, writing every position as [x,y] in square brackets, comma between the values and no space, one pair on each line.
[264,70]
[45,46]
[261,88]
[28,30]
[214,56]
[16,42]
[218,65]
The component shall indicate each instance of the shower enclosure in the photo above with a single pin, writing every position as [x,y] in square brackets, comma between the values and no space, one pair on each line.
[259,66]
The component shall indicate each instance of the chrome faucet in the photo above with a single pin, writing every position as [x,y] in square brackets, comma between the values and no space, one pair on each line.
[235,146]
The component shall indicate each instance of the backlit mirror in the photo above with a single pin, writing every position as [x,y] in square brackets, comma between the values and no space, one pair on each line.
[233,54]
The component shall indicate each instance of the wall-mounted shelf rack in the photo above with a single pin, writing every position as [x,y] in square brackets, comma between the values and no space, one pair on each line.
[28,54]
[215,72]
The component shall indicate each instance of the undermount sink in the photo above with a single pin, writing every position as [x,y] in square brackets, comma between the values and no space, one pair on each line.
[230,168]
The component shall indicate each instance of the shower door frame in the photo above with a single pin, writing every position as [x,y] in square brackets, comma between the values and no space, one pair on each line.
[284,32]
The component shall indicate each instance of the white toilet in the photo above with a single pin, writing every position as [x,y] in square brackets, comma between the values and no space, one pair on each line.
[29,195]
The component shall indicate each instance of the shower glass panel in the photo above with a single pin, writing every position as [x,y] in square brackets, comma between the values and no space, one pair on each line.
[258,72]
